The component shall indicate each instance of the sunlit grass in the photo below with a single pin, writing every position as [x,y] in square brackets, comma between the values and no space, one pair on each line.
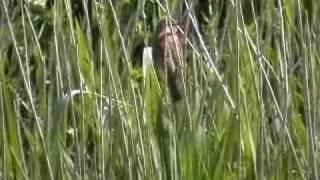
[79,100]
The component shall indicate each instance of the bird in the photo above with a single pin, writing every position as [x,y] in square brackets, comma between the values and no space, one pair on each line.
[168,55]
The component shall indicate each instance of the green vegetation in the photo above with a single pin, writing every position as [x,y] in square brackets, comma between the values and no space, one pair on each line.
[75,102]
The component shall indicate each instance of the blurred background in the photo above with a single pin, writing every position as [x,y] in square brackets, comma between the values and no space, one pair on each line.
[75,102]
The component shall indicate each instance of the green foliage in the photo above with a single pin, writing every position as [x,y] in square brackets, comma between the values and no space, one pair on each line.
[79,101]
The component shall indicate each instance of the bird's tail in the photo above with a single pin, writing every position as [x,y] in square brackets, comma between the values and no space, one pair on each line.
[175,86]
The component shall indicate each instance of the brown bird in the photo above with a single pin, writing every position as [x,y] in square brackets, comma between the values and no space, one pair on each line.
[167,52]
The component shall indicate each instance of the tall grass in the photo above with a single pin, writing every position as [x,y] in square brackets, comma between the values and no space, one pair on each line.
[78,100]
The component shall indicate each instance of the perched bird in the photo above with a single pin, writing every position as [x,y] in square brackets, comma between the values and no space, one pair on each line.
[168,55]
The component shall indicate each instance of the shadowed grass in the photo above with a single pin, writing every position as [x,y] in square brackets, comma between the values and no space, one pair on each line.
[80,100]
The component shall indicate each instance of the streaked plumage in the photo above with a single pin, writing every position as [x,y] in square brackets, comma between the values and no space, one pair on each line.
[168,55]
